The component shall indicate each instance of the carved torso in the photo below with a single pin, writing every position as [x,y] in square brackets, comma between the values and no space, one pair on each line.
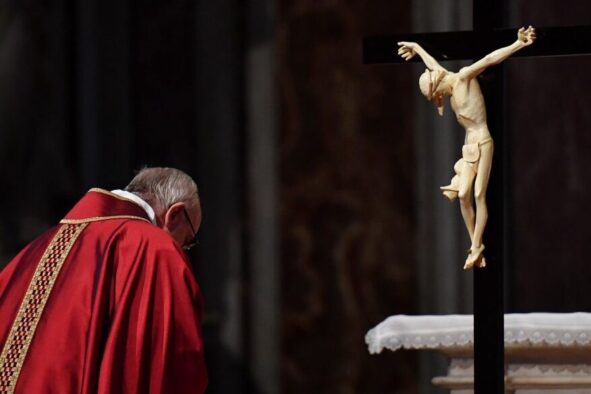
[468,105]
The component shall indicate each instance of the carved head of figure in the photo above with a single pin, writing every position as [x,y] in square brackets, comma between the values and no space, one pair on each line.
[430,84]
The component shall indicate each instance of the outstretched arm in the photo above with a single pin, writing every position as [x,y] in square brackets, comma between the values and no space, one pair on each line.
[408,50]
[525,37]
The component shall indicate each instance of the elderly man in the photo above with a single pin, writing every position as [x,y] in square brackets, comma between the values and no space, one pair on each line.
[106,302]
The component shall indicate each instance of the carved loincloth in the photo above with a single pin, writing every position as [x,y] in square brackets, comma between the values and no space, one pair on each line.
[471,153]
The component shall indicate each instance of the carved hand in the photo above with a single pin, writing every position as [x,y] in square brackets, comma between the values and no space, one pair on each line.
[526,36]
[407,50]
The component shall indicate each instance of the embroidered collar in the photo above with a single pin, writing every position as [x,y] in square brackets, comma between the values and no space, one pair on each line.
[99,204]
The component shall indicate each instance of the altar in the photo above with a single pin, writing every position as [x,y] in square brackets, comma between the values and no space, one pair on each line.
[544,352]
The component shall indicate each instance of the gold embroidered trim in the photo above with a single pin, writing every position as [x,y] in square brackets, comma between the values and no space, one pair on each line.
[25,324]
[99,218]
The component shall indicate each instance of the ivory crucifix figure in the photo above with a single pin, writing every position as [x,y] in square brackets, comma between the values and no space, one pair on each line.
[467,102]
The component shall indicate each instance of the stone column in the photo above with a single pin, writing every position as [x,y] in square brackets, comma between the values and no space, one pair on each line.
[262,185]
[219,161]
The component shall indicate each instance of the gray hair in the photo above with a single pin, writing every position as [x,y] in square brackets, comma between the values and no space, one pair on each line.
[162,186]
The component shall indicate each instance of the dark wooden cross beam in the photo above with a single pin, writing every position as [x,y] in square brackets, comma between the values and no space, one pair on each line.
[488,282]
[461,45]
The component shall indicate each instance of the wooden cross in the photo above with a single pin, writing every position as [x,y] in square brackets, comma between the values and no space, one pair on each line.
[488,282]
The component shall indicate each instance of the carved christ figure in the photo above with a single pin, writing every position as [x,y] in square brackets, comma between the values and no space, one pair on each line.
[467,102]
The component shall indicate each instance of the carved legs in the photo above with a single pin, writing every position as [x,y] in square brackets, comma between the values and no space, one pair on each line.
[476,220]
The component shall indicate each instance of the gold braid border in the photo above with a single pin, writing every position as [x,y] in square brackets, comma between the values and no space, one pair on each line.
[25,324]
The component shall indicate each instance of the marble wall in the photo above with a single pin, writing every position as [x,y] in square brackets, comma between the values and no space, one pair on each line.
[346,197]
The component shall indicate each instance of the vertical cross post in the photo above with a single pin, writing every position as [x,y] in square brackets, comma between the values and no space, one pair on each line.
[489,370]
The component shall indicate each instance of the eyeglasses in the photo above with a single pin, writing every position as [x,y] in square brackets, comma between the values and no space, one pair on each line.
[194,240]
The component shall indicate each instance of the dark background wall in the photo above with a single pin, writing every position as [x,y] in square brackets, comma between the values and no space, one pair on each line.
[346,193]
[306,161]
[93,90]
[550,162]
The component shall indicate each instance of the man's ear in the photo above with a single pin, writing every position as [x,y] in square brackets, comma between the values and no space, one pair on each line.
[173,215]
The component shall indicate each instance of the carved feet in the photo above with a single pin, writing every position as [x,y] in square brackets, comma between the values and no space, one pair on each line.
[475,258]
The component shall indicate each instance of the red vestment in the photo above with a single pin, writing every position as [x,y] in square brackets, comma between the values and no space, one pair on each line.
[123,315]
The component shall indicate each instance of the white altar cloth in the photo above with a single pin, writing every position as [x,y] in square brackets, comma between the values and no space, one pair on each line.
[544,352]
[440,331]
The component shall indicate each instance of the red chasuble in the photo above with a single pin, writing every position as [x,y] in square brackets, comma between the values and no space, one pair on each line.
[104,303]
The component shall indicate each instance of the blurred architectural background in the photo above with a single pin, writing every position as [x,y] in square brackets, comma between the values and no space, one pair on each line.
[319,176]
